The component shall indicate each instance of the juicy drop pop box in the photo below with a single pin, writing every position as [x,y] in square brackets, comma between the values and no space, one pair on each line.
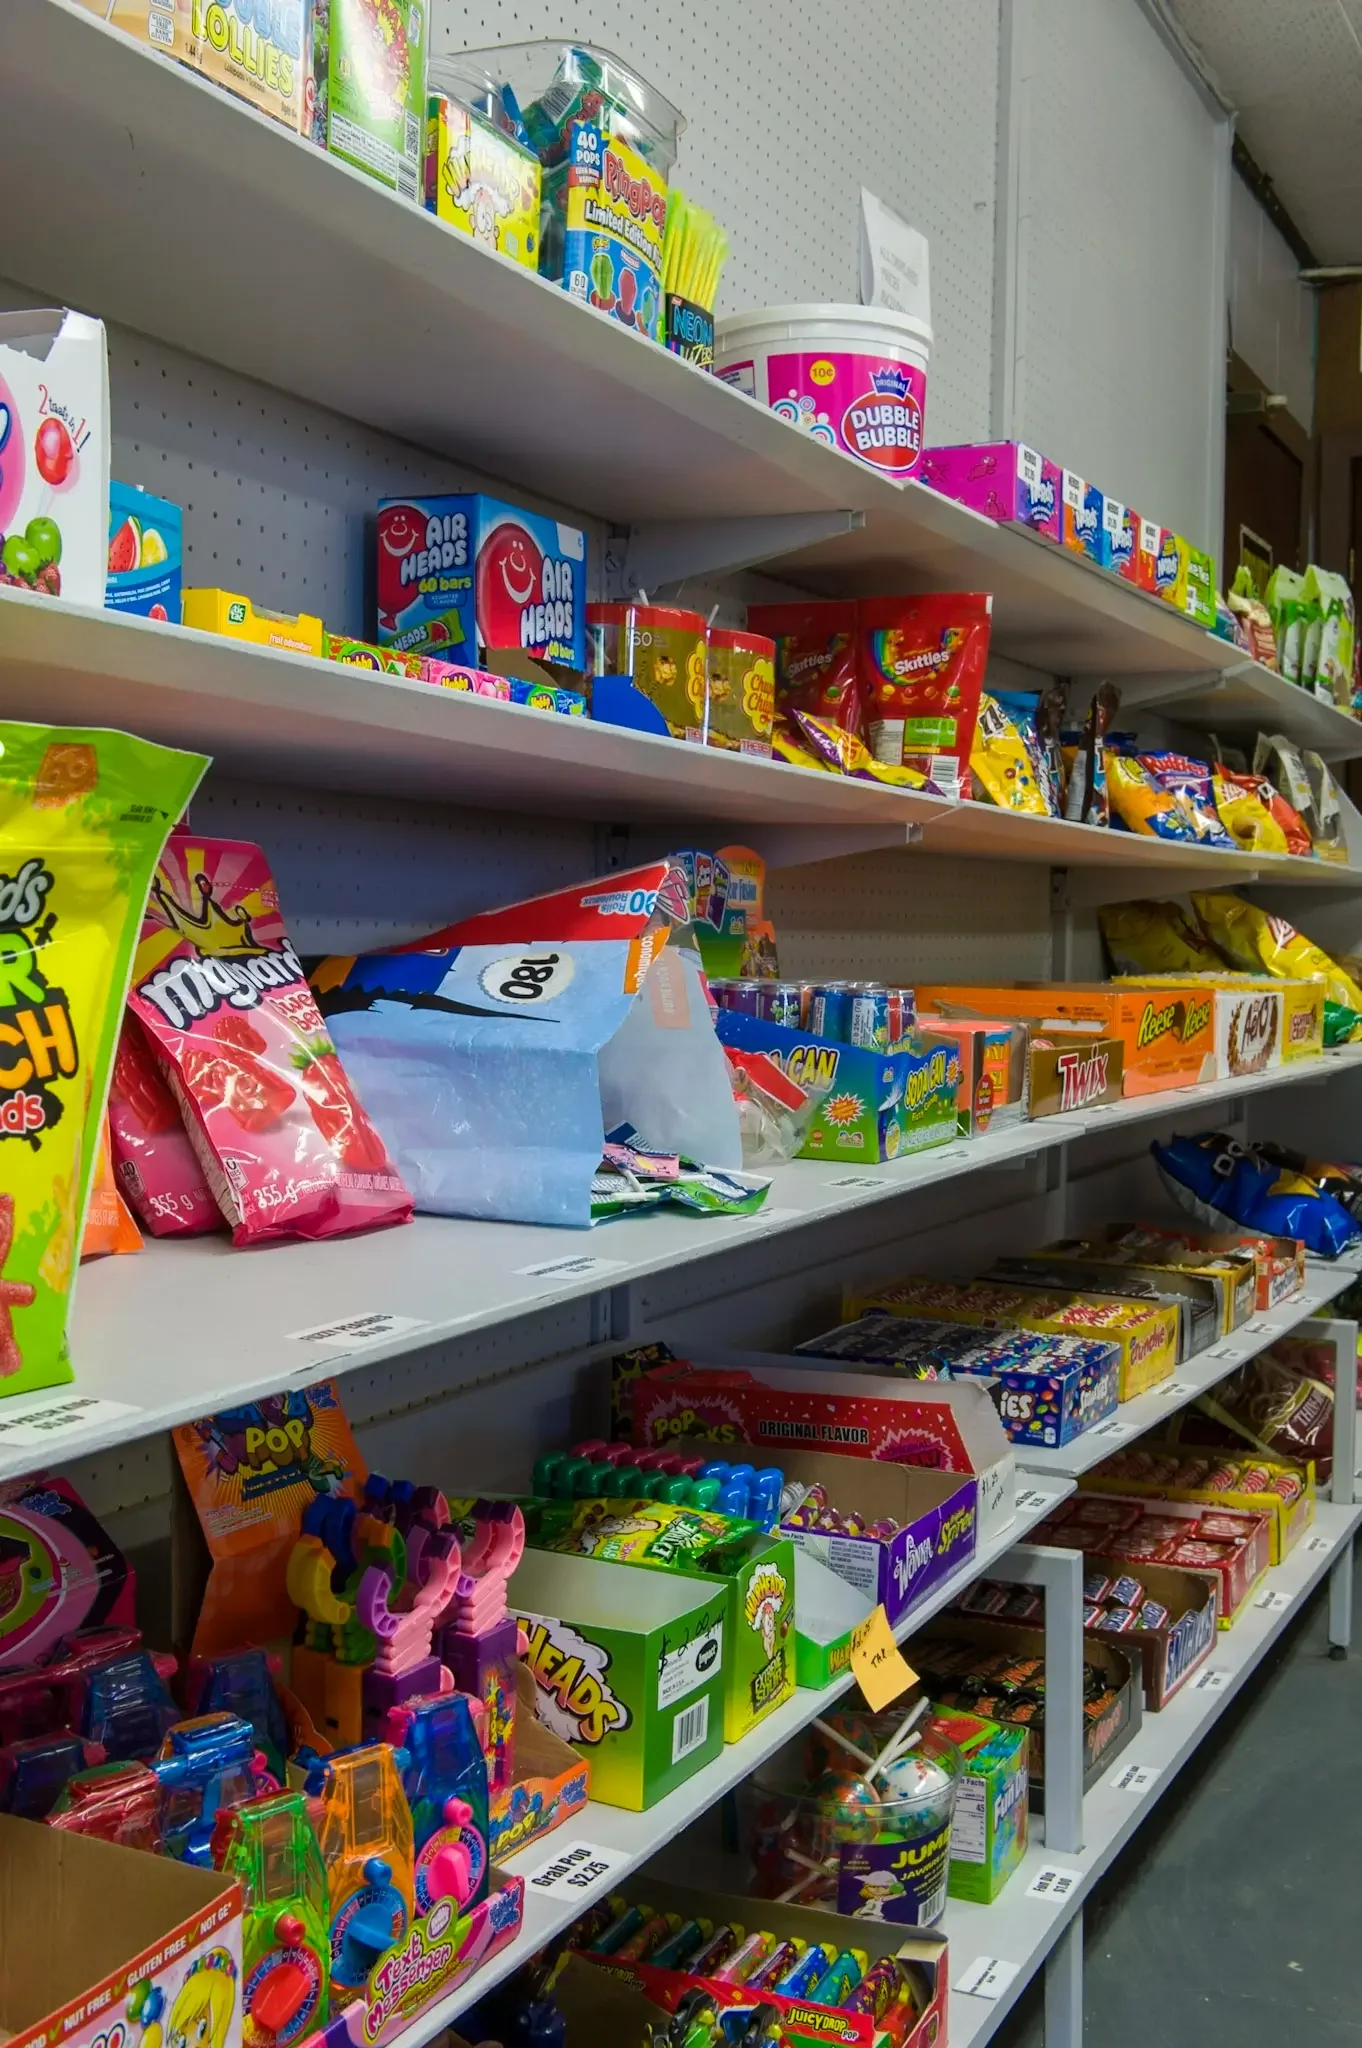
[456,575]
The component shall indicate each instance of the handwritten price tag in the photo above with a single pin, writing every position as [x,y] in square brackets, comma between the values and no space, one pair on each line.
[882,1671]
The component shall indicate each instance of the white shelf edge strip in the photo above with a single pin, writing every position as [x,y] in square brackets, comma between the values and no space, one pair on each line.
[1020,1930]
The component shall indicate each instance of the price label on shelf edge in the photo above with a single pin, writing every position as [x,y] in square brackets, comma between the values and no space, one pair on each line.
[577,1869]
[986,1977]
[1054,1881]
[1273,1603]
[1135,1778]
[1211,1681]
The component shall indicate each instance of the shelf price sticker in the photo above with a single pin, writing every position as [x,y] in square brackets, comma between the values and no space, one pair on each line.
[1031,1499]
[857,1180]
[1177,1390]
[578,1868]
[578,1266]
[1115,1429]
[880,1667]
[1273,1603]
[986,1977]
[1212,1681]
[357,1333]
[56,1418]
[1135,1779]
[1319,1543]
[1054,1882]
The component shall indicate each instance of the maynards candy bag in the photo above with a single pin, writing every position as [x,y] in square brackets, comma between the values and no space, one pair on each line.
[158,1169]
[283,1142]
[83,816]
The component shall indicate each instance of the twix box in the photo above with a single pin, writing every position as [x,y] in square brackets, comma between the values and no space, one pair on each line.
[1167,1033]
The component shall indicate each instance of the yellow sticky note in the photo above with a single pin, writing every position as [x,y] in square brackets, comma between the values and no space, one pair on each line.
[882,1671]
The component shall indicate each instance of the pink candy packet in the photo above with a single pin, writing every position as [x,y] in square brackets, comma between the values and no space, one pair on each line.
[154,1162]
[281,1137]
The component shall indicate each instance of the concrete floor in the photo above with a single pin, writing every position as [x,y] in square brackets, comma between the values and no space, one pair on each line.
[1234,1913]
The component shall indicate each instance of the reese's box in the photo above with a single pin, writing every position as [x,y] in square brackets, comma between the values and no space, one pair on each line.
[1260,1024]
[1167,1033]
[1146,1332]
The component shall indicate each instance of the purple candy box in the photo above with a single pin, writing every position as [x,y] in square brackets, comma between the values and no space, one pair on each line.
[1005,480]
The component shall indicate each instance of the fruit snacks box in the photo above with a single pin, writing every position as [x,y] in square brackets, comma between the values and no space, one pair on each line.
[1230,1279]
[1146,1332]
[365,88]
[1168,1033]
[225,611]
[1005,480]
[1218,1477]
[1170,569]
[252,50]
[605,216]
[873,1106]
[1278,1262]
[481,181]
[1229,1548]
[146,554]
[1148,547]
[992,1808]
[631,1668]
[1199,594]
[54,454]
[795,1403]
[1119,543]
[382,660]
[1050,1389]
[1081,517]
[456,575]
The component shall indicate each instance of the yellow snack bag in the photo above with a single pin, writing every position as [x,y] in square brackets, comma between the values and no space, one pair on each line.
[1140,804]
[846,753]
[83,818]
[1259,944]
[1000,763]
[1155,938]
[1245,816]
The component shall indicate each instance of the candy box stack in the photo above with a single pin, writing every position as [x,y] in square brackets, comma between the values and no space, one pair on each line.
[366,86]
[1278,1262]
[478,176]
[1120,534]
[1168,1033]
[1197,1300]
[455,576]
[1218,1477]
[1081,530]
[1005,480]
[1228,1280]
[1229,1548]
[226,611]
[54,454]
[990,1826]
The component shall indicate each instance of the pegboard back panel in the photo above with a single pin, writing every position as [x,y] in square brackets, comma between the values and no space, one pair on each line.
[791,109]
[893,915]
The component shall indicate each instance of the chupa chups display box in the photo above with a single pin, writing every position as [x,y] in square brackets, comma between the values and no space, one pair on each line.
[1147,1333]
[1081,517]
[925,1951]
[1168,1033]
[1050,1389]
[630,1667]
[1151,1472]
[794,1404]
[1278,1262]
[873,1106]
[1005,480]
[1229,1283]
[936,1513]
[87,1925]
[1259,1024]
[955,1648]
[1230,1548]
[989,1831]
[1198,1302]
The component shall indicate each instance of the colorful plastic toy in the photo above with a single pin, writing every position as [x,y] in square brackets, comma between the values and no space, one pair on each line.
[445,1780]
[203,1765]
[479,1640]
[365,1836]
[34,1771]
[272,1851]
[127,1708]
[115,1802]
[242,1682]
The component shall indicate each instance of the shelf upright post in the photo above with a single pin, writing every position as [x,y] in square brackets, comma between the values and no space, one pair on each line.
[1064,1988]
[1343,1487]
[1059,1574]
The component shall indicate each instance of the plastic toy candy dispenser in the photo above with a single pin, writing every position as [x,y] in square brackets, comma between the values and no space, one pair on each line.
[445,1782]
[480,1640]
[365,1833]
[286,1954]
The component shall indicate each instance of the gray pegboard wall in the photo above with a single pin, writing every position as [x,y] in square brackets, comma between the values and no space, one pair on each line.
[791,109]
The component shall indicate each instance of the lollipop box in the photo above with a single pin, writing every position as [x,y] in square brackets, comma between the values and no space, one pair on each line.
[925,1951]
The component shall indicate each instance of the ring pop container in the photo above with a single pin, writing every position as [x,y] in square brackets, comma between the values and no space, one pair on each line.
[853,376]
[820,1833]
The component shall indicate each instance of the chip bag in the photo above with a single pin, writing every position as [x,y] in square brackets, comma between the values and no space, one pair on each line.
[1280,762]
[816,661]
[281,1137]
[1256,943]
[1252,620]
[83,816]
[1005,758]
[157,1167]
[1325,820]
[1333,668]
[1155,938]
[1244,814]
[1190,782]
[1216,1178]
[923,661]
[1285,599]
[1141,804]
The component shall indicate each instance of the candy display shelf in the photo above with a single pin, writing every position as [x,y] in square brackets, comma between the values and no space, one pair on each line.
[1019,1931]
[323,724]
[631,1838]
[133,155]
[1197,1375]
[432,1280]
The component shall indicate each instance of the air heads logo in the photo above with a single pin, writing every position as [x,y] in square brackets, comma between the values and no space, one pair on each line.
[763,1604]
[884,426]
[1179,1020]
[576,1699]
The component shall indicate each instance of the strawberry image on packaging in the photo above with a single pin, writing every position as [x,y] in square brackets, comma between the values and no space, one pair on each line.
[459,576]
[282,1140]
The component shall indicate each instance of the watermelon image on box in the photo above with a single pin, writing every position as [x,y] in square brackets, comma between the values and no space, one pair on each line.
[146,554]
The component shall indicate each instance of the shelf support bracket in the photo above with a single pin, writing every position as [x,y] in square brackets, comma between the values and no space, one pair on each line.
[1059,1573]
[668,551]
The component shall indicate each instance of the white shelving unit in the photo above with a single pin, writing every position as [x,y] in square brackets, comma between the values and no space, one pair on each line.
[154,188]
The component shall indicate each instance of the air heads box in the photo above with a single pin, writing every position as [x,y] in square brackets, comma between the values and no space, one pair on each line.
[460,576]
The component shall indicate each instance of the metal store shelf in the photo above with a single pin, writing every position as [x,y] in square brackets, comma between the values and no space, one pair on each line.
[1019,1931]
[133,154]
[635,1836]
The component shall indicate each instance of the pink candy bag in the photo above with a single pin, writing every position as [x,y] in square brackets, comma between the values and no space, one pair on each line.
[154,1162]
[282,1140]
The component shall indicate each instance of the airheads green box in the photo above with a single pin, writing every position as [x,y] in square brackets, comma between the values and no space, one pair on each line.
[631,1668]
[875,1105]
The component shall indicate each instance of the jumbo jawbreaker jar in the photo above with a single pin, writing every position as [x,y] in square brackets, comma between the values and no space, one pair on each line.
[457,576]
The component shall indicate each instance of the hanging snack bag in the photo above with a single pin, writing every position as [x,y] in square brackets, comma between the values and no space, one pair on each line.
[1155,938]
[1240,805]
[1005,760]
[1258,944]
[1329,594]
[827,745]
[1325,817]
[1217,1179]
[1140,803]
[1190,782]
[1087,799]
[1252,620]
[285,1145]
[157,1167]
[1278,760]
[83,816]
[923,660]
[1285,599]
[816,669]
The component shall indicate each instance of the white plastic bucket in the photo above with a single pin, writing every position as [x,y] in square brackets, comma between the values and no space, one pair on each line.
[853,376]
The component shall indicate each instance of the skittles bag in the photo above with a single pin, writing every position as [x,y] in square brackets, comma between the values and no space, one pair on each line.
[83,816]
[283,1143]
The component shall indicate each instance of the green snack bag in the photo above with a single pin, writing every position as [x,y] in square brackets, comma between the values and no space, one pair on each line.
[84,816]
[628,1531]
[1332,674]
[1285,599]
